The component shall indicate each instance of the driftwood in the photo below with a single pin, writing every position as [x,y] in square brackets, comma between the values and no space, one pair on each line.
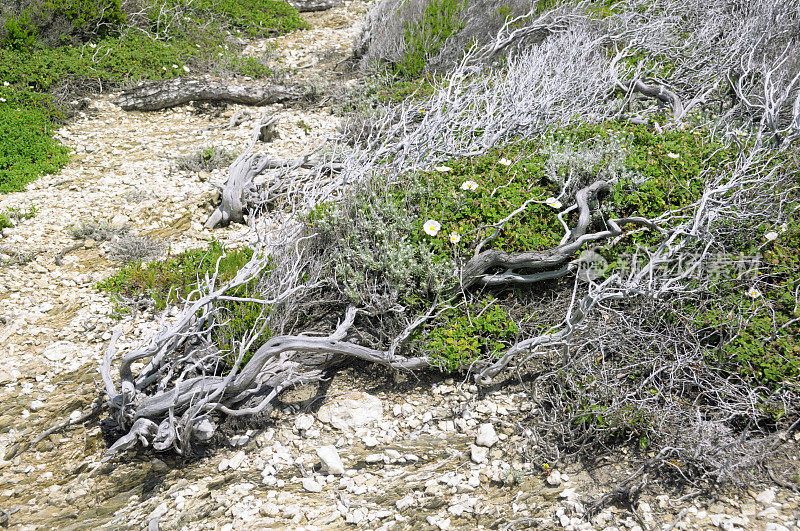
[314,5]
[158,95]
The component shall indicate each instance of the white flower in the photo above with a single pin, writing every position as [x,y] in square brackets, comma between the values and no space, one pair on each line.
[771,236]
[432,227]
[753,293]
[174,66]
[455,238]
[553,202]
[443,169]
[504,162]
[2,100]
[6,83]
[469,185]
[784,227]
[92,45]
[673,156]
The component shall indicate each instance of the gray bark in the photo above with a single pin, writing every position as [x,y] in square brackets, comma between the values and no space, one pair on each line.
[158,95]
[314,5]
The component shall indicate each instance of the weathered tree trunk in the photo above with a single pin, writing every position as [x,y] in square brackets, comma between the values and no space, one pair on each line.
[164,94]
[314,5]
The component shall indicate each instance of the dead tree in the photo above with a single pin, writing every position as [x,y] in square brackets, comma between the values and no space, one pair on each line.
[157,95]
[314,5]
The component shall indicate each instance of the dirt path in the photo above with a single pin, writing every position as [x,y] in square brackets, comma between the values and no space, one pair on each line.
[415,454]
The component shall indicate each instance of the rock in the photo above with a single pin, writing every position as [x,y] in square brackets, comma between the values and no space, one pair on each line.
[237,460]
[569,494]
[356,516]
[240,440]
[59,350]
[457,509]
[554,479]
[405,502]
[304,422]
[330,459]
[204,430]
[158,512]
[392,454]
[311,485]
[766,497]
[269,509]
[769,513]
[438,522]
[36,405]
[120,219]
[351,410]
[479,454]
[772,526]
[159,466]
[370,441]
[486,436]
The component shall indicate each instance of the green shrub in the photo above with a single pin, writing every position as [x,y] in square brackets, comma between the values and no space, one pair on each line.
[369,245]
[27,148]
[91,18]
[255,18]
[376,239]
[34,62]
[426,36]
[251,67]
[17,214]
[210,158]
[757,337]
[462,335]
[167,281]
[20,33]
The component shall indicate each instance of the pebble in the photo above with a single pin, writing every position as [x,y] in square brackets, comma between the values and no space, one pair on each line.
[304,422]
[330,459]
[311,485]
[237,460]
[766,497]
[554,478]
[351,410]
[479,454]
[486,436]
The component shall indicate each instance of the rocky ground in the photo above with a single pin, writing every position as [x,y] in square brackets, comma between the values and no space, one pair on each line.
[366,449]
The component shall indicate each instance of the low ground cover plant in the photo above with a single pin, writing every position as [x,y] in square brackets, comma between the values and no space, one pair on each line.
[53,52]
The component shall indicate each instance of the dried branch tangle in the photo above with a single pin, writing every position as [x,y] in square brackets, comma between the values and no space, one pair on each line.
[610,342]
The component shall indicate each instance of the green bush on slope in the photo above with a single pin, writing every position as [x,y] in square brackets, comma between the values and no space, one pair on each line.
[80,45]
